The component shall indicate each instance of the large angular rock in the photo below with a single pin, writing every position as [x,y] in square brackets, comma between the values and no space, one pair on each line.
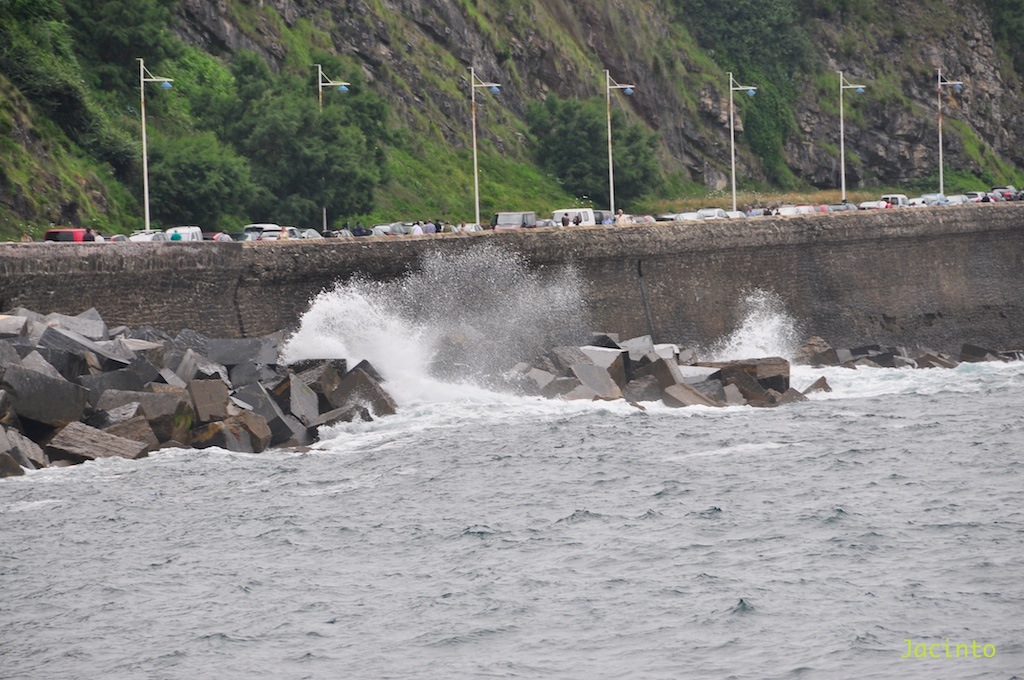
[35,361]
[644,388]
[124,379]
[251,372]
[74,343]
[189,339]
[194,365]
[564,358]
[233,352]
[581,393]
[118,348]
[284,428]
[696,374]
[613,360]
[102,419]
[77,442]
[9,467]
[973,354]
[8,418]
[323,377]
[537,380]
[13,326]
[24,450]
[598,381]
[8,355]
[752,391]
[87,325]
[559,387]
[226,434]
[359,387]
[714,390]
[67,364]
[150,334]
[44,399]
[298,399]
[210,400]
[681,395]
[259,432]
[171,378]
[638,347]
[790,396]
[369,369]
[136,429]
[667,351]
[607,340]
[935,361]
[770,372]
[343,415]
[819,385]
[666,372]
[170,415]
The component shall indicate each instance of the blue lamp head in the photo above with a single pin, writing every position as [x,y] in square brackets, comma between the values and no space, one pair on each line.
[628,90]
[751,92]
[166,85]
[860,90]
[343,88]
[495,89]
[958,87]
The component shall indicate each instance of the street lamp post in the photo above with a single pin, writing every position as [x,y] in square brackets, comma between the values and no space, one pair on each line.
[146,77]
[323,81]
[475,82]
[609,85]
[844,84]
[957,85]
[735,87]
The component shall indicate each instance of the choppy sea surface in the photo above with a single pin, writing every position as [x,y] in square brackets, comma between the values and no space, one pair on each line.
[482,535]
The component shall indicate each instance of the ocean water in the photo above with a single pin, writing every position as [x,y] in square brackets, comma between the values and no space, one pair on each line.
[478,534]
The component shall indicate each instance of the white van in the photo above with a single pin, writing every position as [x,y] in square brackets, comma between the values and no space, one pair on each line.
[185,234]
[586,217]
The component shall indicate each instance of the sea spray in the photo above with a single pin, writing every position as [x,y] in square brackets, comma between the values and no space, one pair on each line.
[465,317]
[767,329]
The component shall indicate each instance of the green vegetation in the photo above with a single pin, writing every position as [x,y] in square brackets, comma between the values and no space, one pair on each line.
[240,137]
[572,144]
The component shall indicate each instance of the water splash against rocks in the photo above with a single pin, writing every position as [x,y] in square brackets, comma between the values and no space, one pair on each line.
[767,330]
[466,317]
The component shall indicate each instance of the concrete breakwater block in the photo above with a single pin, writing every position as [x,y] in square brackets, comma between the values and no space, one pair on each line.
[72,390]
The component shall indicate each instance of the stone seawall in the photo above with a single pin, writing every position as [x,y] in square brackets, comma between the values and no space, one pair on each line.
[930,277]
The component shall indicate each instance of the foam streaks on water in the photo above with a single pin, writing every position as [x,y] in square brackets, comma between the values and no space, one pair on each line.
[480,534]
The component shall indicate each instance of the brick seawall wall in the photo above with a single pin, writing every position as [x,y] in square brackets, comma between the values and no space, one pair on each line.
[929,277]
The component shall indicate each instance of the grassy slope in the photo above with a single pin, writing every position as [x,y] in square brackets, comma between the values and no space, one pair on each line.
[430,159]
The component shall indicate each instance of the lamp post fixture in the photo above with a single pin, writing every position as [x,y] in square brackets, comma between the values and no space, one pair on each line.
[844,84]
[495,88]
[750,90]
[146,77]
[609,85]
[957,85]
[323,81]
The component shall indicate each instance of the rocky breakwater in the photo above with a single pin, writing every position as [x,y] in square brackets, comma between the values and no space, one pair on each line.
[638,370]
[72,390]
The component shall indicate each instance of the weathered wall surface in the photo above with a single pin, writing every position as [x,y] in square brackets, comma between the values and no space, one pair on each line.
[933,278]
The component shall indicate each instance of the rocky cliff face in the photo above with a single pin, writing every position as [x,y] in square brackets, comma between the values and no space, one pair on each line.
[417,53]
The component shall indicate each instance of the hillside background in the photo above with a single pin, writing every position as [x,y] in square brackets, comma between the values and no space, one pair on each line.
[240,136]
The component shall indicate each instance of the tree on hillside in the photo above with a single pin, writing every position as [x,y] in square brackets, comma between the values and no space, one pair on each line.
[198,180]
[572,144]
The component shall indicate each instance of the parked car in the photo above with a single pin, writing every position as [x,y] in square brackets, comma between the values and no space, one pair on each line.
[513,220]
[934,199]
[1008,192]
[787,210]
[586,215]
[604,216]
[151,236]
[689,217]
[975,196]
[281,233]
[313,233]
[184,234]
[666,217]
[72,235]
[958,199]
[713,214]
[842,207]
[735,214]
[897,200]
